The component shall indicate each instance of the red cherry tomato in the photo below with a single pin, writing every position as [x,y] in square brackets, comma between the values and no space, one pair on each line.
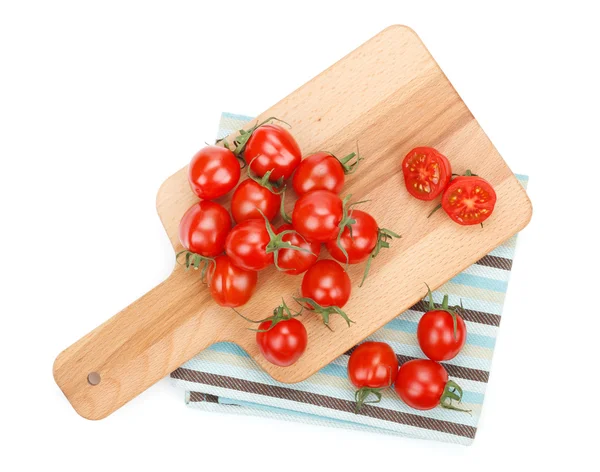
[230,285]
[327,283]
[246,245]
[213,172]
[250,197]
[317,215]
[360,242]
[426,173]
[295,262]
[372,367]
[469,200]
[204,228]
[272,147]
[322,171]
[423,384]
[436,335]
[283,344]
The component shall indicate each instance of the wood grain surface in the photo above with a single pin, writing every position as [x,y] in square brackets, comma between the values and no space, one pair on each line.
[389,95]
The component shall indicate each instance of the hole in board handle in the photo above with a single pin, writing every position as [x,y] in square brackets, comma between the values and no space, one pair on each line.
[94,378]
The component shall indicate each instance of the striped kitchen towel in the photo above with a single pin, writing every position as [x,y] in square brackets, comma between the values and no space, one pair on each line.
[224,378]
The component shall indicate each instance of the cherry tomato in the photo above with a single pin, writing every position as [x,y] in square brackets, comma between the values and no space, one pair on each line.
[372,367]
[250,197]
[272,147]
[437,337]
[295,262]
[230,285]
[469,200]
[317,215]
[426,173]
[423,384]
[204,228]
[283,344]
[360,242]
[246,245]
[322,171]
[213,172]
[327,283]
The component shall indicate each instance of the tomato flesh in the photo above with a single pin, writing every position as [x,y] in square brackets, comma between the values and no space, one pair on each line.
[213,172]
[320,171]
[204,227]
[230,286]
[426,173]
[469,200]
[283,344]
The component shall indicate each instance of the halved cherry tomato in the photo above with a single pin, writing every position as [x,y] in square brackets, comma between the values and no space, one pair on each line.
[317,215]
[371,368]
[441,332]
[284,343]
[272,147]
[426,173]
[249,198]
[213,172]
[230,285]
[325,289]
[204,228]
[295,262]
[423,384]
[469,200]
[323,171]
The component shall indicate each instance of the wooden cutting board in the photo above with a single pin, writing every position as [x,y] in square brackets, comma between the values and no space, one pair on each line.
[389,95]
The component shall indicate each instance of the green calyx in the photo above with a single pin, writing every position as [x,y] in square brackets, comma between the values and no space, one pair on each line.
[452,310]
[195,261]
[276,242]
[325,312]
[284,216]
[383,237]
[240,141]
[274,187]
[452,392]
[361,395]
[281,313]
[350,162]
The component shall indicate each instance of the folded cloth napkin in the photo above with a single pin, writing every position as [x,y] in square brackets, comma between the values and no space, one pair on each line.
[224,378]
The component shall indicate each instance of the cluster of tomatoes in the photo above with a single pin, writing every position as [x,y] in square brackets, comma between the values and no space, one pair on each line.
[421,383]
[231,255]
[467,199]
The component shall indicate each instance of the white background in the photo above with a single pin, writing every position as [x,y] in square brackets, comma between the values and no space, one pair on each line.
[101,101]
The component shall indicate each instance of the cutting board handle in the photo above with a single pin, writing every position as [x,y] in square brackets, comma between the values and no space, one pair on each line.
[135,348]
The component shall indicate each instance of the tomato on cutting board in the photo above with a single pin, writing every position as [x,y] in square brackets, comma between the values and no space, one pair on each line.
[323,171]
[317,215]
[426,172]
[469,199]
[441,332]
[372,367]
[230,286]
[251,198]
[213,172]
[423,384]
[204,228]
[296,262]
[281,338]
[325,289]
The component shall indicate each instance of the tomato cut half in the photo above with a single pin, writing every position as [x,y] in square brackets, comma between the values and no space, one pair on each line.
[469,200]
[426,173]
